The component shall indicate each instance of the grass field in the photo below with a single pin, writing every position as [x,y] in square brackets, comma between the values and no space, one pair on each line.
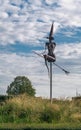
[32,112]
[41,126]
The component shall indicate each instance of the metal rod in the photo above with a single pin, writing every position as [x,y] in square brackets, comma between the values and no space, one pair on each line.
[67,72]
[51,82]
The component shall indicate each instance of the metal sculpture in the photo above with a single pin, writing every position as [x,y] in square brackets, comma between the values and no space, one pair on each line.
[50,46]
[50,57]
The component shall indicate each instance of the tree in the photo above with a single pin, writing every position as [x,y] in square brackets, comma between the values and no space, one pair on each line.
[20,85]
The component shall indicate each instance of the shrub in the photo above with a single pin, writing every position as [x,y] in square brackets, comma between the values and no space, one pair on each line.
[76,117]
[50,114]
[25,114]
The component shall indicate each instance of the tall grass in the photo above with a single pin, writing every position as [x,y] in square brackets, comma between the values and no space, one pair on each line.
[25,109]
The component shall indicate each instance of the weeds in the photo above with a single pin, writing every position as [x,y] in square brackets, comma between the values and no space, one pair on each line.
[25,109]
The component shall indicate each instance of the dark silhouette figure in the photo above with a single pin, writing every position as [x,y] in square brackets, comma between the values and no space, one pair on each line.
[51,47]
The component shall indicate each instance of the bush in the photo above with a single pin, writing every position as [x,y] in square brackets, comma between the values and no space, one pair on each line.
[8,113]
[47,116]
[50,114]
[25,115]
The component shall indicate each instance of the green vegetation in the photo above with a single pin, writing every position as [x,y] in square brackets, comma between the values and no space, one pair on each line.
[20,85]
[37,112]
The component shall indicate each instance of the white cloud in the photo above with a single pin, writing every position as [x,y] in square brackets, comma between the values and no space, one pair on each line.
[71,51]
[68,14]
[22,24]
[3,15]
[12,65]
[32,66]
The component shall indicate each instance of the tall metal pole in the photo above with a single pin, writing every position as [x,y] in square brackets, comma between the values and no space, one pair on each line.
[51,82]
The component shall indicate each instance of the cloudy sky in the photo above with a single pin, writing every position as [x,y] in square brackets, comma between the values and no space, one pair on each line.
[24,24]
